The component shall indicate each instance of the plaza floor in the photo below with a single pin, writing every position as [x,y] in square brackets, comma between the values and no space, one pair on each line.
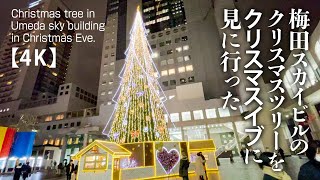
[228,171]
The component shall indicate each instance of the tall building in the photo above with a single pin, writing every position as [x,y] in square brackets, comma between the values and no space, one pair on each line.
[35,86]
[182,54]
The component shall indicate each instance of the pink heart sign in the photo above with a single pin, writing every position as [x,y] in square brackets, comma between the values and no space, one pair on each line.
[168,159]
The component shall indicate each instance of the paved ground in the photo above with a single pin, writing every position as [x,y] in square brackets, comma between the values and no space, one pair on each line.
[228,171]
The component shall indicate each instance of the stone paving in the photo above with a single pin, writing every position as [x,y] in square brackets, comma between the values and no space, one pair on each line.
[228,171]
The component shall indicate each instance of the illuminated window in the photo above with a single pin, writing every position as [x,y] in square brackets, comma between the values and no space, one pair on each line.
[186,47]
[180,59]
[172,71]
[48,118]
[186,116]
[163,63]
[55,74]
[174,117]
[224,112]
[211,113]
[111,73]
[178,49]
[155,55]
[9,82]
[187,58]
[62,142]
[45,142]
[69,141]
[181,69]
[110,82]
[57,142]
[103,93]
[189,68]
[95,162]
[1,75]
[76,141]
[164,73]
[170,61]
[51,141]
[109,92]
[59,117]
[198,114]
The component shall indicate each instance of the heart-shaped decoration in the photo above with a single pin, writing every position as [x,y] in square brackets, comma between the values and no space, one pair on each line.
[168,159]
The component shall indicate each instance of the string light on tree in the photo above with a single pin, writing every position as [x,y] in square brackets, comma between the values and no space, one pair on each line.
[139,111]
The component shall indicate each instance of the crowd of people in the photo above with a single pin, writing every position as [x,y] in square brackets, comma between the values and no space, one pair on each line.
[308,171]
[70,169]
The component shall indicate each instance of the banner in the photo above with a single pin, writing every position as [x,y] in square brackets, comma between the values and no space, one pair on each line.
[3,131]
[23,144]
[7,143]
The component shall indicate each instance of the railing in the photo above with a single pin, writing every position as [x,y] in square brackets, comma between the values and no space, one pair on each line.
[230,145]
[69,115]
[38,103]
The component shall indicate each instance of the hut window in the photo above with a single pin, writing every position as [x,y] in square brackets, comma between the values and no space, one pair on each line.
[95,162]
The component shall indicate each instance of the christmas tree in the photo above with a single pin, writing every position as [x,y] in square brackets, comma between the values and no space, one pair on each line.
[139,110]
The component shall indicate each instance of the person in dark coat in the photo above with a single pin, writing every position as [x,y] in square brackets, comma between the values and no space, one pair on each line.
[17,172]
[311,169]
[281,152]
[268,172]
[69,169]
[26,171]
[184,165]
[243,155]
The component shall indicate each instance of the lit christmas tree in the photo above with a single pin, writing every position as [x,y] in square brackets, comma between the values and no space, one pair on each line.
[139,111]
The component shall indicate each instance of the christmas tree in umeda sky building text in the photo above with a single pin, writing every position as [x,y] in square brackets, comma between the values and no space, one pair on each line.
[139,110]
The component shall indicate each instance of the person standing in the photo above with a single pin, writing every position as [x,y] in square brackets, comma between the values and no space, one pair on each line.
[60,167]
[17,172]
[75,171]
[281,152]
[200,166]
[69,169]
[184,165]
[311,169]
[26,171]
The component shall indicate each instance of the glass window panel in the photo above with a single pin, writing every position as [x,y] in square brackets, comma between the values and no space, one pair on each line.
[198,114]
[186,116]
[211,113]
[174,117]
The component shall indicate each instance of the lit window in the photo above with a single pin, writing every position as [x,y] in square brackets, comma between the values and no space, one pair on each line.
[103,93]
[187,58]
[109,92]
[109,103]
[224,112]
[111,73]
[198,114]
[163,63]
[59,117]
[51,141]
[57,142]
[170,61]
[211,113]
[189,68]
[186,47]
[179,49]
[171,97]
[9,82]
[62,142]
[166,117]
[69,141]
[164,73]
[172,71]
[186,116]
[1,75]
[76,141]
[180,59]
[182,69]
[112,63]
[110,82]
[104,74]
[95,162]
[45,142]
[174,117]
[48,118]
[155,55]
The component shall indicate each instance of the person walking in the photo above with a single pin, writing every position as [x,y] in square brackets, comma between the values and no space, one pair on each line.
[184,165]
[311,169]
[26,171]
[243,155]
[75,171]
[69,169]
[281,152]
[268,172]
[200,166]
[17,172]
[60,168]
